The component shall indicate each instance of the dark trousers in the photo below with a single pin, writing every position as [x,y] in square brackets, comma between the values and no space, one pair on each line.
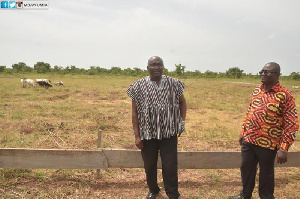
[251,156]
[168,152]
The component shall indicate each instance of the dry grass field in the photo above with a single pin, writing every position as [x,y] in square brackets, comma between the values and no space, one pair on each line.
[69,117]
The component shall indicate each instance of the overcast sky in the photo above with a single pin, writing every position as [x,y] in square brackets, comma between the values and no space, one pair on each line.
[203,35]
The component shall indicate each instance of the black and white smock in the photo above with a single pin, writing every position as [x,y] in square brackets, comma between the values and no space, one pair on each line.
[157,106]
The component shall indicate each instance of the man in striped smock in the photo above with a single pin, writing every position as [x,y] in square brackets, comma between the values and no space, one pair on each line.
[158,115]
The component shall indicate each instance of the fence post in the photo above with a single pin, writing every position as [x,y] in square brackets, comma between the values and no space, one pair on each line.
[98,147]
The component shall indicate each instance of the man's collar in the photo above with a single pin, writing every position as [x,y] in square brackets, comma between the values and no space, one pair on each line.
[274,88]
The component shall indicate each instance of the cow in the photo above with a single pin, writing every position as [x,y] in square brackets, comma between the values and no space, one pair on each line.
[44,83]
[59,83]
[30,82]
[27,82]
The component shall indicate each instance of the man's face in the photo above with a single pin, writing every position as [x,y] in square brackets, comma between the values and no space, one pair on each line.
[269,75]
[155,67]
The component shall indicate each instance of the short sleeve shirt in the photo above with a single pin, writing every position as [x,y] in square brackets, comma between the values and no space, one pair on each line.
[157,106]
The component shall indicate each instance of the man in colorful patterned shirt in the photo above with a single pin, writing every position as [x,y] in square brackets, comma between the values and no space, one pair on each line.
[268,129]
[158,114]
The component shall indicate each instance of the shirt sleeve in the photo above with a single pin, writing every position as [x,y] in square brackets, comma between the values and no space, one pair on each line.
[245,119]
[131,92]
[290,122]
[181,87]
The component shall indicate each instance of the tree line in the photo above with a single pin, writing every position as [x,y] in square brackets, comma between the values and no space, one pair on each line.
[180,71]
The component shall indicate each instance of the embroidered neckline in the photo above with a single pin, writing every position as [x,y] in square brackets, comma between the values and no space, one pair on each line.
[161,83]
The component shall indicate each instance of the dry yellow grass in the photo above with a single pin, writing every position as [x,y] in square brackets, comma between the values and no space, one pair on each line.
[69,117]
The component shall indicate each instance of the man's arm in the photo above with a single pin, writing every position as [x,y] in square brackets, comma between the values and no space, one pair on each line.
[182,105]
[241,138]
[291,126]
[135,123]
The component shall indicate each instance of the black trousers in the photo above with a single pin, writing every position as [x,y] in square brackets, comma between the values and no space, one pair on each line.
[168,152]
[251,156]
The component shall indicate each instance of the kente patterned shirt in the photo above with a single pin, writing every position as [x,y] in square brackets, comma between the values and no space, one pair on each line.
[157,106]
[271,121]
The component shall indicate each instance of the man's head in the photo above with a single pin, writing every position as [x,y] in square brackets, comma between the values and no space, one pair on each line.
[270,73]
[155,67]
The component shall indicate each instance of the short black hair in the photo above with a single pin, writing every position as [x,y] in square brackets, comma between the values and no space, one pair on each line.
[276,65]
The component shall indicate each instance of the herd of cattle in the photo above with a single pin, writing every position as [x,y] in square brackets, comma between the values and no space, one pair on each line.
[41,82]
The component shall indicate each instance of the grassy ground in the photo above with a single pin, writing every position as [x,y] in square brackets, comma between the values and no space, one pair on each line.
[69,117]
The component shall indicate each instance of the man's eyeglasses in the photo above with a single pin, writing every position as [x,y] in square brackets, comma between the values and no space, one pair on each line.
[266,72]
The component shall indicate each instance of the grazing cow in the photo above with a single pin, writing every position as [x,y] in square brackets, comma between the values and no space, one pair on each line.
[27,82]
[59,83]
[44,83]
[30,82]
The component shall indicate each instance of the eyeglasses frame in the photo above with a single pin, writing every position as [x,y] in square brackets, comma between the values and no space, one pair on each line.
[266,72]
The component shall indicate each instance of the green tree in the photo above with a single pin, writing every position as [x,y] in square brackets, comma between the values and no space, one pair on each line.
[96,70]
[2,69]
[116,70]
[101,70]
[179,69]
[42,67]
[166,72]
[197,73]
[234,72]
[57,69]
[129,72]
[295,76]
[138,71]
[210,74]
[74,70]
[21,67]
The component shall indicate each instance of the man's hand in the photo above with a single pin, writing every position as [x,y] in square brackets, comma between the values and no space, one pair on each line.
[241,139]
[281,156]
[182,127]
[138,142]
